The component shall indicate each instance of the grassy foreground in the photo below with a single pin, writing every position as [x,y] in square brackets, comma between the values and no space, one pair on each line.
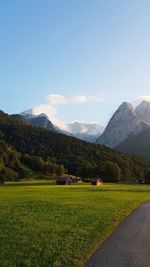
[60,226]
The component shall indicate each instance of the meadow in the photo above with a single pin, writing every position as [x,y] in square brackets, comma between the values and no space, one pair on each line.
[44,225]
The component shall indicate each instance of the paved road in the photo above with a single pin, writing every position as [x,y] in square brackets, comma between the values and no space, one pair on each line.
[129,245]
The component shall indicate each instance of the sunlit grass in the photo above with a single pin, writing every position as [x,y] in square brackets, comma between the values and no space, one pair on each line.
[44,225]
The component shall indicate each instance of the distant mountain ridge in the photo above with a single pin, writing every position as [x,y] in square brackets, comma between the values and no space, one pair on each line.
[84,131]
[88,128]
[40,120]
[126,131]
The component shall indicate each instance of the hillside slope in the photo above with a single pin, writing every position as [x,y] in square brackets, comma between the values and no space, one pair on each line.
[79,157]
[137,145]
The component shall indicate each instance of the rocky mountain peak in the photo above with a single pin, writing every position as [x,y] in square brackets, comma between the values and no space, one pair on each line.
[124,122]
[125,106]
[143,111]
[40,120]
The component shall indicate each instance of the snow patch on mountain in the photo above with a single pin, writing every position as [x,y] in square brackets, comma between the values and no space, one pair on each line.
[78,127]
[27,113]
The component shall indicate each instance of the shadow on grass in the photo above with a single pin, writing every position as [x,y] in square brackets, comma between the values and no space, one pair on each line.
[95,189]
[28,184]
[85,188]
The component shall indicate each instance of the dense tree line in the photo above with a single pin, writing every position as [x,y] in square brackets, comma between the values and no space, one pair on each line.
[44,150]
[9,158]
[13,164]
[46,167]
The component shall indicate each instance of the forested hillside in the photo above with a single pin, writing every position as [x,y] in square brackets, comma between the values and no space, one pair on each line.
[34,146]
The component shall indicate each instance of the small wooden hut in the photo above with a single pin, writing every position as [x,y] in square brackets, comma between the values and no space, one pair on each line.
[64,180]
[96,181]
[77,180]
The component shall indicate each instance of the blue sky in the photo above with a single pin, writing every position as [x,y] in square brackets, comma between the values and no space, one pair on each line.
[98,49]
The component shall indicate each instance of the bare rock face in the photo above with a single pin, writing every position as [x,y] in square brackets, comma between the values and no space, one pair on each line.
[143,111]
[124,122]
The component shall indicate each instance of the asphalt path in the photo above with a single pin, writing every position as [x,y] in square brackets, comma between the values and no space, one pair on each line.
[129,244]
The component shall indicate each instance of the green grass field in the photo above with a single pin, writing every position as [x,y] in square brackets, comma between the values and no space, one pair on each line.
[43,225]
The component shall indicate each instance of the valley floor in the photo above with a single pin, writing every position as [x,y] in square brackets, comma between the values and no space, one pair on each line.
[46,225]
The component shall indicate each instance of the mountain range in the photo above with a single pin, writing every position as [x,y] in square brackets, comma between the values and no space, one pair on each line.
[84,131]
[23,145]
[128,130]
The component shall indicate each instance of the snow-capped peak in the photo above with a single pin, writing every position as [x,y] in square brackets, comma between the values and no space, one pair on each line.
[28,113]
[78,127]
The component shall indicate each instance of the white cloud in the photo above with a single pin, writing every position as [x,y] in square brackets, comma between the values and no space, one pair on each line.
[51,112]
[55,100]
[145,97]
[77,99]
[45,108]
[97,99]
